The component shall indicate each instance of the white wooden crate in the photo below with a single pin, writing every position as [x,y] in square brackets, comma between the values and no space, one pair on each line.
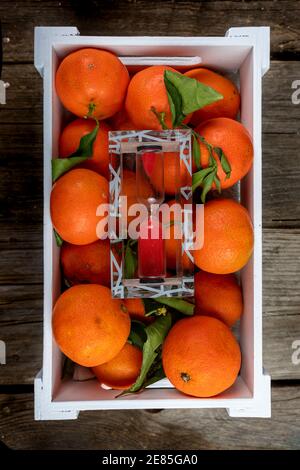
[244,51]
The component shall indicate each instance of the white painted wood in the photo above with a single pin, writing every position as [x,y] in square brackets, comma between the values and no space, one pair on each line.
[244,52]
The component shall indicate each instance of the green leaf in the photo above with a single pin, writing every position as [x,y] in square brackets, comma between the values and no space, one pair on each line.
[62,165]
[194,95]
[198,177]
[130,262]
[196,152]
[224,162]
[178,304]
[175,102]
[86,143]
[156,333]
[218,151]
[84,151]
[226,166]
[207,184]
[172,108]
[217,183]
[58,239]
[212,160]
[156,372]
[137,335]
[160,117]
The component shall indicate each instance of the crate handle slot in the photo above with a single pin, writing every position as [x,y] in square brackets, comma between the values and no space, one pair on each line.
[187,61]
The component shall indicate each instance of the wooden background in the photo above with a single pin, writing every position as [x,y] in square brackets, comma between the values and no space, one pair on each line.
[21,228]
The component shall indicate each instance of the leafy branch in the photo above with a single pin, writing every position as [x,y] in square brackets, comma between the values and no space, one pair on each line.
[137,335]
[206,177]
[196,152]
[182,306]
[151,337]
[186,95]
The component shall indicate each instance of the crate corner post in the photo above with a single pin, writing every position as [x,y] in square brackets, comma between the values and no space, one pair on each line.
[261,403]
[262,36]
[43,410]
[42,40]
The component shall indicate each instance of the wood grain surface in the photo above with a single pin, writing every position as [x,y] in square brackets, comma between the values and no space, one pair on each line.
[21,202]
[143,17]
[138,429]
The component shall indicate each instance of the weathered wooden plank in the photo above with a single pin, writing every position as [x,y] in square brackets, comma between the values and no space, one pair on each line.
[24,97]
[183,18]
[280,177]
[21,144]
[21,308]
[281,271]
[281,337]
[279,113]
[16,235]
[138,429]
[24,351]
[21,266]
[21,184]
[21,304]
